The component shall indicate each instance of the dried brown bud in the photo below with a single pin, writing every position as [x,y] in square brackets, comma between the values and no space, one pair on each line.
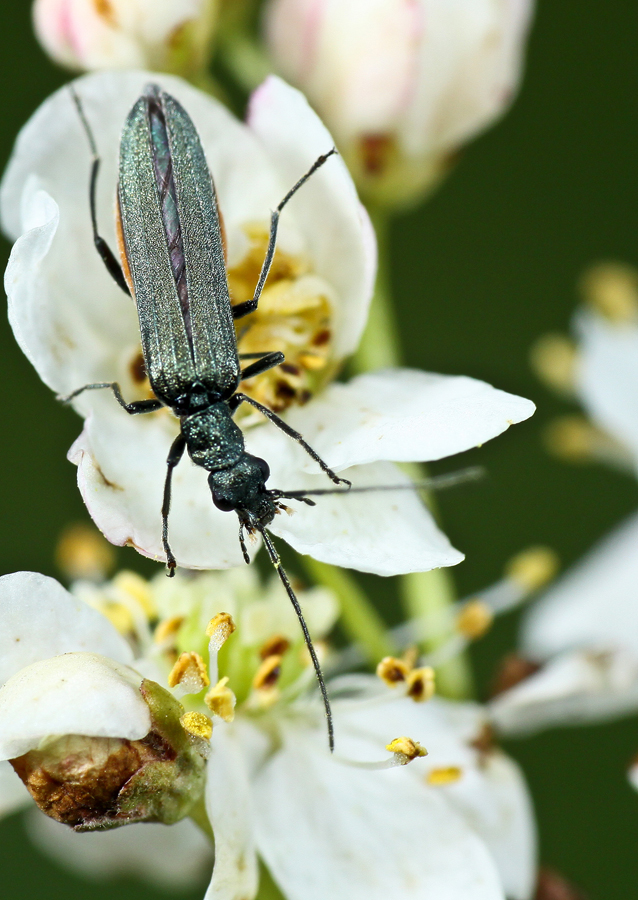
[97,782]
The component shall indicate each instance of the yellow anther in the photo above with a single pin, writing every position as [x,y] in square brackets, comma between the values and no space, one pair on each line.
[197,724]
[612,289]
[277,645]
[219,629]
[447,775]
[421,684]
[312,361]
[167,629]
[533,568]
[221,700]
[474,619]
[392,670]
[405,750]
[268,673]
[82,553]
[189,672]
[572,438]
[554,359]
[139,589]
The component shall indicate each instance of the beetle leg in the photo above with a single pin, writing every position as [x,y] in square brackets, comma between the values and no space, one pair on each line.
[108,257]
[235,401]
[174,456]
[242,309]
[134,409]
[269,361]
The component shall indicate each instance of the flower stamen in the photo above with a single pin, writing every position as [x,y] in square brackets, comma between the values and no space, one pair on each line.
[189,673]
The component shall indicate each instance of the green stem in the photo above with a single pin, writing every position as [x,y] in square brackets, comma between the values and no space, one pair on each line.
[425,595]
[380,345]
[361,622]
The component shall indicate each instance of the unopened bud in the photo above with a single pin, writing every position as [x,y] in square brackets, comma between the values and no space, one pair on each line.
[161,35]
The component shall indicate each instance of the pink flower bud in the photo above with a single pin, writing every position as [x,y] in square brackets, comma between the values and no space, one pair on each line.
[163,35]
[401,84]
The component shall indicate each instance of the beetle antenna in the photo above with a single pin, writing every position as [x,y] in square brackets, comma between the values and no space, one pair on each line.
[437,482]
[275,560]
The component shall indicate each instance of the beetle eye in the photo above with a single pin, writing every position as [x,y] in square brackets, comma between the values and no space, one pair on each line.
[264,467]
[222,503]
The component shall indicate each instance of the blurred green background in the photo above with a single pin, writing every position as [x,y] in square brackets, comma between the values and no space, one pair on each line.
[479,272]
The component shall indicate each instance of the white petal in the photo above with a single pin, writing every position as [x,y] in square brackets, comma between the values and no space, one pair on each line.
[594,605]
[13,794]
[405,415]
[491,795]
[121,463]
[77,693]
[171,857]
[229,807]
[40,619]
[327,210]
[326,829]
[383,532]
[608,375]
[574,688]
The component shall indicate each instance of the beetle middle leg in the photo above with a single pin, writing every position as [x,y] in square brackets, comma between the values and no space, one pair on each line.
[108,257]
[175,454]
[136,408]
[267,361]
[242,309]
[237,399]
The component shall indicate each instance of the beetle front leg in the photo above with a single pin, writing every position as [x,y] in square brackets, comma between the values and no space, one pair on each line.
[136,408]
[237,399]
[108,257]
[242,309]
[175,454]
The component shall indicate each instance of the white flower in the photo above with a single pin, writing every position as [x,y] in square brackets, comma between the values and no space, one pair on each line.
[169,35]
[76,327]
[457,824]
[401,84]
[584,635]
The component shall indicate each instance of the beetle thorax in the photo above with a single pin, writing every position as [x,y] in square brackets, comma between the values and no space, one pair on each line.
[213,440]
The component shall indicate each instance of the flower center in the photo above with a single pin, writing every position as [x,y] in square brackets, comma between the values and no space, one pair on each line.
[294,317]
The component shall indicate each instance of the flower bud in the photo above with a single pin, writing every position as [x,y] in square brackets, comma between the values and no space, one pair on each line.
[103,782]
[161,35]
[401,84]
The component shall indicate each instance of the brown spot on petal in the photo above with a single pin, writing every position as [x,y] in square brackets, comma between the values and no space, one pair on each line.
[105,11]
[109,484]
[512,670]
[552,886]
[376,150]
[137,368]
[323,337]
